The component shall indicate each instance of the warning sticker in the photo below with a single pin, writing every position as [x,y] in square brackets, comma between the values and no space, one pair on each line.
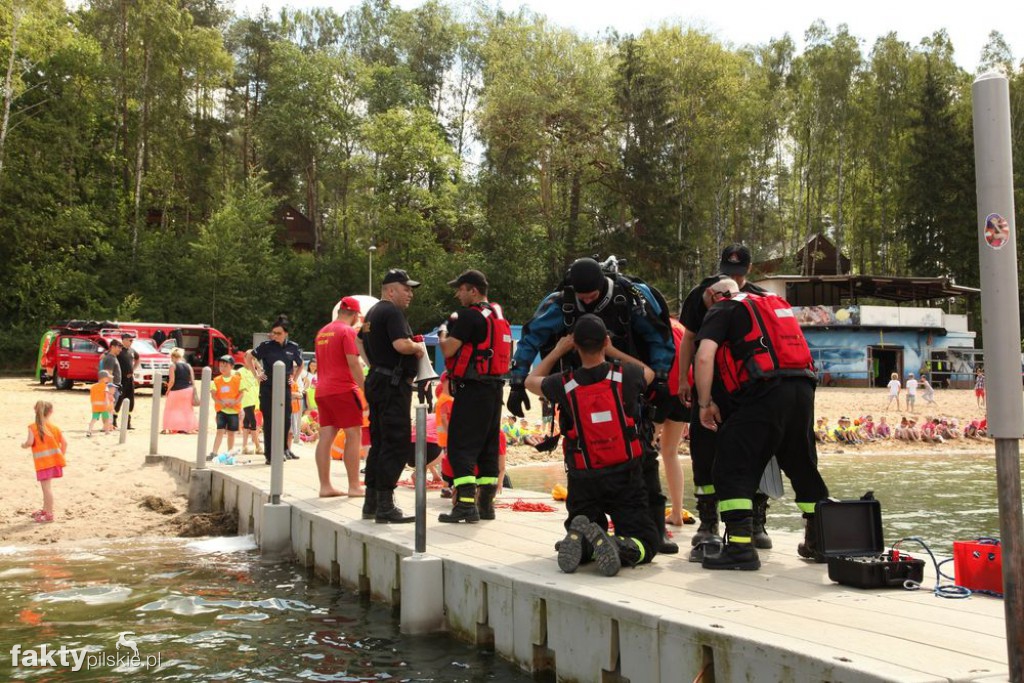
[997,231]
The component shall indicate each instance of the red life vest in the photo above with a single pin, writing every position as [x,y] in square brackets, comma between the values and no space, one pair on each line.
[602,434]
[774,347]
[673,374]
[490,358]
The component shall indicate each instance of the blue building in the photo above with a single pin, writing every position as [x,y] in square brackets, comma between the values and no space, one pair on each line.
[906,327]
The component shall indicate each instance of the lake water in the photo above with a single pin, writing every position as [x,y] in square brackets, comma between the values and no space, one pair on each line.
[937,496]
[208,611]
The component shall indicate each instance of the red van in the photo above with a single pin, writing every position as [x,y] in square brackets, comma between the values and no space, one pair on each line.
[73,354]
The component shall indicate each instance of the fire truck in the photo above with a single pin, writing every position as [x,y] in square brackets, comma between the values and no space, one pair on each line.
[70,351]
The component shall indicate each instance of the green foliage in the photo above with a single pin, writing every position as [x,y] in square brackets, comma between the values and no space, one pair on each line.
[150,147]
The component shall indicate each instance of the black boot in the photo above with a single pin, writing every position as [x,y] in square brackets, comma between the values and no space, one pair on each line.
[629,551]
[387,511]
[809,548]
[605,550]
[130,421]
[761,539]
[485,500]
[464,509]
[370,503]
[706,538]
[738,551]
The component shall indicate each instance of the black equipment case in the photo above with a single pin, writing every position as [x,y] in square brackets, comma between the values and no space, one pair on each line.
[850,536]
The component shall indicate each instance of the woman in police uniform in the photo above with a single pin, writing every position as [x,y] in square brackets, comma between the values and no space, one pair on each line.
[260,362]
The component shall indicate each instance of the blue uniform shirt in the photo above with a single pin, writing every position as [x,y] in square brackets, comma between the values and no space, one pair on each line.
[548,325]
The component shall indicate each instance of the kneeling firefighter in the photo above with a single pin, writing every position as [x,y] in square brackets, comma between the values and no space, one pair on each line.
[755,347]
[599,402]
[635,316]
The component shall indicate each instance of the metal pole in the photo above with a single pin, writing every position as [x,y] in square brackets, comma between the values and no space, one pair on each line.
[154,423]
[204,418]
[997,246]
[277,427]
[421,478]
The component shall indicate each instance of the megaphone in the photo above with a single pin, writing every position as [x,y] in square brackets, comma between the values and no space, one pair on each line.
[425,371]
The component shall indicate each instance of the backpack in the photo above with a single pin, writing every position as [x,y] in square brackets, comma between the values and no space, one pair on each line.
[602,433]
[774,347]
[490,358]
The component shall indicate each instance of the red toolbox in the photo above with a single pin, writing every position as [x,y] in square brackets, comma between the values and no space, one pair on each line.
[850,536]
[979,564]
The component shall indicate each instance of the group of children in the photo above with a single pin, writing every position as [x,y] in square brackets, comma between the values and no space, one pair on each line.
[864,429]
[521,433]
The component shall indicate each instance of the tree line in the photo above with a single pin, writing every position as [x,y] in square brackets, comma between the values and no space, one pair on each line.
[147,148]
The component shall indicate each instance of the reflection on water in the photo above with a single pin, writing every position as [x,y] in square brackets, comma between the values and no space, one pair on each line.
[209,611]
[939,497]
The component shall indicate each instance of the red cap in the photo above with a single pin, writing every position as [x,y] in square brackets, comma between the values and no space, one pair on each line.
[350,303]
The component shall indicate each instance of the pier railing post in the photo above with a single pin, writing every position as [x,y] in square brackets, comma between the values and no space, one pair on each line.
[154,422]
[997,247]
[276,530]
[421,478]
[204,418]
[277,427]
[123,435]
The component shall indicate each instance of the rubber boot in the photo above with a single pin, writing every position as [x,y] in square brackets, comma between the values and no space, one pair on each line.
[809,548]
[762,541]
[667,545]
[629,551]
[370,504]
[738,552]
[387,511]
[606,551]
[706,538]
[485,500]
[464,509]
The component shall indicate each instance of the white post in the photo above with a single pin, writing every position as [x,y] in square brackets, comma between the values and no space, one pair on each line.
[204,418]
[277,432]
[154,424]
[123,436]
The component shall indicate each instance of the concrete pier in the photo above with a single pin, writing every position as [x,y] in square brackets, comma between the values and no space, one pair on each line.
[667,621]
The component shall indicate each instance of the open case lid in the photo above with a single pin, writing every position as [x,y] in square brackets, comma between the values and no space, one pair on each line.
[849,527]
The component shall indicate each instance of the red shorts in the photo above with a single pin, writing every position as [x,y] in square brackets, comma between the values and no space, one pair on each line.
[979,392]
[340,410]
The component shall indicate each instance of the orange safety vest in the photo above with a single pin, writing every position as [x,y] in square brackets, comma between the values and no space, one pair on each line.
[443,412]
[296,397]
[98,397]
[227,393]
[46,450]
[338,447]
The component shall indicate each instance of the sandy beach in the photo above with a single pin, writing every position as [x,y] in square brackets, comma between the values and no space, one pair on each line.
[105,486]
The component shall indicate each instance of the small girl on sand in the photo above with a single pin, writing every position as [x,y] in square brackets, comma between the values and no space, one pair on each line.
[894,391]
[48,447]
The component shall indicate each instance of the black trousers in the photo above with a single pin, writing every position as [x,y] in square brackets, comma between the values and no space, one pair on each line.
[474,428]
[266,407]
[390,430]
[779,422]
[620,495]
[127,393]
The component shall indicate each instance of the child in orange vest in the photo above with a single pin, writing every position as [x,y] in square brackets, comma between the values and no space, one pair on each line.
[101,398]
[227,401]
[48,448]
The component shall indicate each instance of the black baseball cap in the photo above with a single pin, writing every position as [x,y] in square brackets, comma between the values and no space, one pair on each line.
[735,260]
[470,277]
[400,276]
[585,275]
[589,328]
[227,359]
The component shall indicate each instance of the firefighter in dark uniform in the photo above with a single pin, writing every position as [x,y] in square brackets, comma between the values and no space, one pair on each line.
[392,351]
[761,358]
[734,263]
[600,405]
[260,362]
[128,359]
[637,321]
[477,346]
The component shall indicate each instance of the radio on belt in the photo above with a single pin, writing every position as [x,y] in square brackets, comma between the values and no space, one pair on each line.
[850,536]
